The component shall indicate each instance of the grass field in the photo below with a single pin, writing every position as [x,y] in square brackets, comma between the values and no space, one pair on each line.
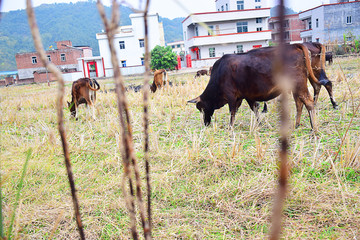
[207,182]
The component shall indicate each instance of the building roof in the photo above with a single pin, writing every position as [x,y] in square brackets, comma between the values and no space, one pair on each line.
[327,5]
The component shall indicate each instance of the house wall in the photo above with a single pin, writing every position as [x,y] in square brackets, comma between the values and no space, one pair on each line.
[26,67]
[225,37]
[332,22]
[248,4]
[131,35]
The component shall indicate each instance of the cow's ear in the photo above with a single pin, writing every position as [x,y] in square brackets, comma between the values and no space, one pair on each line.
[195,100]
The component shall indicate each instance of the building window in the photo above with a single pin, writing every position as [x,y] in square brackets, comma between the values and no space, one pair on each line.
[239,48]
[142,61]
[210,30]
[317,39]
[222,8]
[310,25]
[62,57]
[211,52]
[287,35]
[242,27]
[240,5]
[49,58]
[259,29]
[258,20]
[317,22]
[257,0]
[122,44]
[123,63]
[33,60]
[286,23]
[226,7]
[196,31]
[348,20]
[141,43]
[257,7]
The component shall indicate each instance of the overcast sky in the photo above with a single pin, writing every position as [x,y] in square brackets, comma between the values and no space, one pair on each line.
[168,8]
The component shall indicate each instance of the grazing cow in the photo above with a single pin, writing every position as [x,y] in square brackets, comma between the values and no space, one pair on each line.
[201,73]
[83,91]
[160,79]
[250,76]
[317,51]
[329,57]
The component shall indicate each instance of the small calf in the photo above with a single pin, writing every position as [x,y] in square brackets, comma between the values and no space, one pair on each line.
[160,79]
[83,91]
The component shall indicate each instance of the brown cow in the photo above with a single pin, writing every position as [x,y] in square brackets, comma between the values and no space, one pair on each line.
[201,73]
[250,76]
[160,79]
[83,91]
[317,51]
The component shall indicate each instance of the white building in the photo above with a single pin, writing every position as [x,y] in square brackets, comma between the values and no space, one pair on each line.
[237,26]
[330,22]
[129,44]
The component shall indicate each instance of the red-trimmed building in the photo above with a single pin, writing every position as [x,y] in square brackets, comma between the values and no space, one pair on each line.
[73,61]
[293,27]
[236,26]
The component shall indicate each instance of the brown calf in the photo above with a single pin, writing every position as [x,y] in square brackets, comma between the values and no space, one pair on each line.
[83,91]
[160,79]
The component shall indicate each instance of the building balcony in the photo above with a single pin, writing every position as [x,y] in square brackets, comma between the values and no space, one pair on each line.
[229,38]
[306,33]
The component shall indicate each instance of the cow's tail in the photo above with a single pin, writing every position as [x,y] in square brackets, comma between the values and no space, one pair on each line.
[323,78]
[95,83]
[309,68]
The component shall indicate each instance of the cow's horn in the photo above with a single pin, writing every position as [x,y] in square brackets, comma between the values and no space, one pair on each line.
[195,100]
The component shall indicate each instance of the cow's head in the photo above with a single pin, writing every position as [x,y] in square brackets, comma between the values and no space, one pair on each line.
[71,106]
[203,107]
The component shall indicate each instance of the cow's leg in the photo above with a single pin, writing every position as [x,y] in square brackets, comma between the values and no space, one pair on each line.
[254,107]
[316,88]
[265,109]
[309,104]
[233,107]
[299,106]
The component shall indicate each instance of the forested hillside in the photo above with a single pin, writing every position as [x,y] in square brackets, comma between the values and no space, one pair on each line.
[78,22]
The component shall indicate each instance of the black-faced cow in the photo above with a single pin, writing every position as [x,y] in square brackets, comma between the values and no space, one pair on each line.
[160,79]
[250,76]
[83,91]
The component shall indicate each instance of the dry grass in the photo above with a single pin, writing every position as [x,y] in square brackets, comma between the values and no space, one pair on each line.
[208,182]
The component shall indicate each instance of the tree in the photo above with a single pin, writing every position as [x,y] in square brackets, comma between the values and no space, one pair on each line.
[163,57]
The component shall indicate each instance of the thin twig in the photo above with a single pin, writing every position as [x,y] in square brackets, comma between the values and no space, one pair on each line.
[146,117]
[126,129]
[60,98]
[284,132]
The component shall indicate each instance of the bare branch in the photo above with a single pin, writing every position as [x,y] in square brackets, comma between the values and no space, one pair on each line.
[40,49]
[146,120]
[284,133]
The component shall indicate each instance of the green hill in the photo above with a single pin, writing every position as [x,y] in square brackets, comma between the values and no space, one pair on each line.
[78,22]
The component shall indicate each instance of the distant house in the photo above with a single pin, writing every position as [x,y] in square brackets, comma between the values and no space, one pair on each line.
[130,45]
[293,27]
[65,57]
[236,26]
[330,22]
[177,47]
